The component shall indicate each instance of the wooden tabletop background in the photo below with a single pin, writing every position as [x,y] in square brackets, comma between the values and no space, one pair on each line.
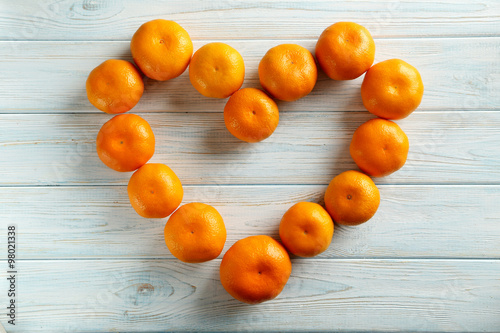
[427,261]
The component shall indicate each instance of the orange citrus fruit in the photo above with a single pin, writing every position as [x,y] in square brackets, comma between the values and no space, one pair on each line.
[251,115]
[115,86]
[306,229]
[162,49]
[352,198]
[379,147]
[125,142]
[392,89]
[154,190]
[216,70]
[345,50]
[255,269]
[195,233]
[288,72]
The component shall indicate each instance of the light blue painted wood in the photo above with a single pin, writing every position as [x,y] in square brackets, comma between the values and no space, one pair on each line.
[47,77]
[328,295]
[307,148]
[245,19]
[134,284]
[98,222]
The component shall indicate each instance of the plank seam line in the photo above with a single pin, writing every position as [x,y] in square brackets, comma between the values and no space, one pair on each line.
[151,112]
[254,185]
[381,259]
[485,36]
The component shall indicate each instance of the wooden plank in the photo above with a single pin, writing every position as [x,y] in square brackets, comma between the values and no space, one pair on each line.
[307,148]
[427,262]
[98,222]
[328,295]
[117,20]
[47,77]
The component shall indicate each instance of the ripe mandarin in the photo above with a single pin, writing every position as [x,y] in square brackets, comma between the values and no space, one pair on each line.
[306,229]
[345,50]
[115,86]
[195,233]
[162,49]
[125,142]
[288,72]
[392,89]
[352,198]
[154,190]
[379,147]
[216,70]
[251,115]
[255,269]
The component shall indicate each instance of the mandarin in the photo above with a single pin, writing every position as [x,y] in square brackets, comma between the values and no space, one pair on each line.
[251,115]
[255,269]
[288,72]
[392,89]
[306,229]
[216,70]
[115,86]
[195,233]
[125,142]
[345,50]
[162,49]
[379,147]
[352,198]
[154,190]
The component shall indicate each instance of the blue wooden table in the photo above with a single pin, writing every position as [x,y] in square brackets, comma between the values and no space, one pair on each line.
[86,262]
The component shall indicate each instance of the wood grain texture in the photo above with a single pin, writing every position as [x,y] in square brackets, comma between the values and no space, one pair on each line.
[98,222]
[427,262]
[307,148]
[244,19]
[327,295]
[47,77]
